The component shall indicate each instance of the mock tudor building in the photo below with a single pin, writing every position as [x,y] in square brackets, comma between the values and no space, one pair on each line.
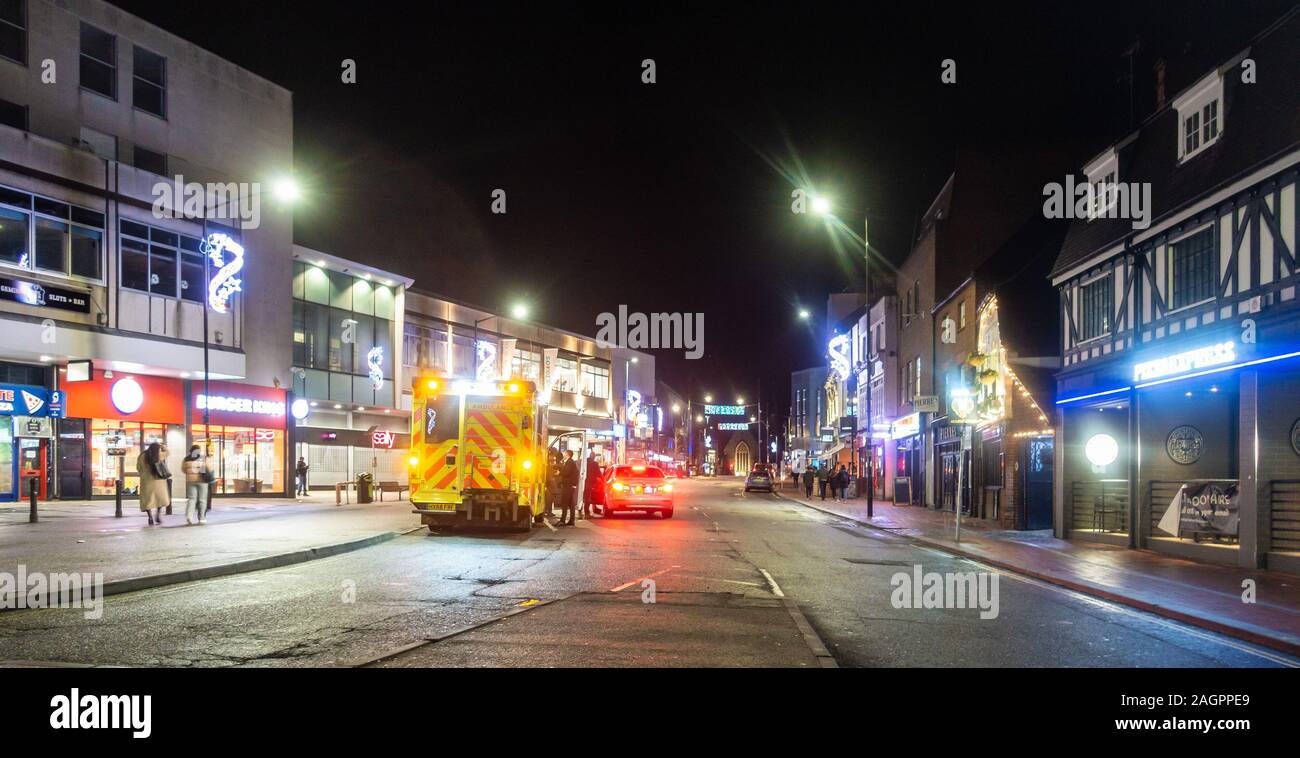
[1179,396]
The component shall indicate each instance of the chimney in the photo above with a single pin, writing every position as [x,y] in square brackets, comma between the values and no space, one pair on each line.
[1160,84]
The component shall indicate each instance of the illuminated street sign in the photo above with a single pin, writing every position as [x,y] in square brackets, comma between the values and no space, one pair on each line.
[733,426]
[724,410]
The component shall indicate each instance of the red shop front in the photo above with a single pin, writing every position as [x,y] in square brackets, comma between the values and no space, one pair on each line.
[247,434]
[113,412]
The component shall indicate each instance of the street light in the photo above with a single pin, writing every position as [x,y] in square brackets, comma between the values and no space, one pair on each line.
[519,311]
[677,408]
[286,190]
[708,398]
[740,401]
[804,314]
[822,207]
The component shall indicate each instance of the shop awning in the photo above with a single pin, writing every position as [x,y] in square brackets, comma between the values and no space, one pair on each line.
[832,452]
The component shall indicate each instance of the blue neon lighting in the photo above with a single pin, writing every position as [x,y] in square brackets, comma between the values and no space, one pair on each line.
[1095,394]
[1221,369]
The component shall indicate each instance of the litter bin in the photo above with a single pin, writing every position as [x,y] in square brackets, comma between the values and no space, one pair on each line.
[364,492]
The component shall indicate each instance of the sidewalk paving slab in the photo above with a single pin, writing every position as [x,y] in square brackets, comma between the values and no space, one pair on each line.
[1203,595]
[241,534]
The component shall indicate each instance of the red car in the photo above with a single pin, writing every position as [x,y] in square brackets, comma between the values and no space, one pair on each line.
[637,488]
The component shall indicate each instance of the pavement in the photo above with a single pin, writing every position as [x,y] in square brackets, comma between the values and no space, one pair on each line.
[738,579]
[1205,595]
[241,534]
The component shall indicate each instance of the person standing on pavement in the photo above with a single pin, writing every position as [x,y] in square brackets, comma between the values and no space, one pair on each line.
[195,468]
[592,484]
[823,479]
[554,473]
[152,468]
[808,476]
[568,489]
[841,483]
[301,470]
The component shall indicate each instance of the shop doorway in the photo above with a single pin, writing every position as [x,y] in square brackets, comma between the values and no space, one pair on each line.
[73,468]
[953,461]
[1037,467]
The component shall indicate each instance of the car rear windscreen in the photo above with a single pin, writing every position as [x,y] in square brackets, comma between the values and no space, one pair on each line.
[647,473]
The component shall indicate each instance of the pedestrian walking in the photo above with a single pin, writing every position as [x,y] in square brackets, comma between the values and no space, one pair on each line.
[301,470]
[568,489]
[152,468]
[195,468]
[808,475]
[823,480]
[841,483]
[591,486]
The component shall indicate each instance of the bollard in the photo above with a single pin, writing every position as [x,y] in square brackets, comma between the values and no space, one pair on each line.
[169,496]
[117,495]
[32,518]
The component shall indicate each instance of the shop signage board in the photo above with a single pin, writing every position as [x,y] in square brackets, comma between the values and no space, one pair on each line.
[925,403]
[139,397]
[733,426]
[233,404]
[29,400]
[118,443]
[1206,507]
[43,296]
[1208,356]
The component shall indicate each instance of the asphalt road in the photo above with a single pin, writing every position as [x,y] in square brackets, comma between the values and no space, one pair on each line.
[733,554]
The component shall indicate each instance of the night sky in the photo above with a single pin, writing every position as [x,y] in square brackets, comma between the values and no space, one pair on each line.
[675,196]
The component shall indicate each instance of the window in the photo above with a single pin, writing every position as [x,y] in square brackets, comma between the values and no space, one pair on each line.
[98,61]
[161,262]
[526,364]
[1095,302]
[1192,133]
[13,30]
[13,114]
[149,82]
[961,317]
[148,160]
[1192,269]
[595,381]
[566,375]
[909,389]
[1200,116]
[45,235]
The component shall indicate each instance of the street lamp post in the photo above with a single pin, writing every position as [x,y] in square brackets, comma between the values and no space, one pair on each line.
[871,447]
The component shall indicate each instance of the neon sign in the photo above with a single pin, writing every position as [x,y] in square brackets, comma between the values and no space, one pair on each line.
[225,284]
[733,426]
[1191,360]
[382,439]
[375,363]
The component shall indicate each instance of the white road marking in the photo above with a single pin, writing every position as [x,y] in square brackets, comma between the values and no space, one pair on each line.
[776,589]
[622,587]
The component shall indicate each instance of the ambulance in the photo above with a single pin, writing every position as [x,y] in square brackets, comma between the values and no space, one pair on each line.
[477,453]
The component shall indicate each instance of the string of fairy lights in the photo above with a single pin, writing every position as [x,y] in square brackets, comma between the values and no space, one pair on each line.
[1017,385]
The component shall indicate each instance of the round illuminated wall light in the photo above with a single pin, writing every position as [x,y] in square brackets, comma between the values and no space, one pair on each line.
[1102,449]
[300,409]
[127,395]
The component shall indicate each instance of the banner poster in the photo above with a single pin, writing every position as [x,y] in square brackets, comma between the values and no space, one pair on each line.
[1205,507]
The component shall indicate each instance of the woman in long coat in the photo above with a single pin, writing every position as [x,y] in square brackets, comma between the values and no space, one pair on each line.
[154,495]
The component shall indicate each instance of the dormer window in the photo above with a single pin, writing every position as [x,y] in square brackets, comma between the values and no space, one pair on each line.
[1200,116]
[1102,173]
